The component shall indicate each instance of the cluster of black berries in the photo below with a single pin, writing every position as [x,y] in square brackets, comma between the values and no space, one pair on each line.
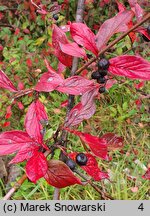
[99,75]
[81,160]
[148,31]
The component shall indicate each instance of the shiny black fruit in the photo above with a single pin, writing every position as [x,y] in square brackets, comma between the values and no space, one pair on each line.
[71,164]
[102,89]
[95,75]
[81,159]
[101,80]
[55,16]
[103,73]
[103,64]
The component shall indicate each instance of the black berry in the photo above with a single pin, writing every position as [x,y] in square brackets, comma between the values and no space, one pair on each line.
[55,16]
[148,29]
[101,80]
[95,75]
[145,38]
[81,159]
[103,73]
[103,64]
[102,89]
[71,164]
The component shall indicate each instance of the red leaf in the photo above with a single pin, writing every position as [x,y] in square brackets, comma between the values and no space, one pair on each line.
[49,82]
[6,124]
[147,175]
[112,26]
[144,32]
[73,49]
[12,141]
[136,8]
[61,67]
[20,86]
[29,62]
[20,105]
[84,36]
[25,152]
[133,67]
[59,36]
[75,85]
[83,110]
[121,7]
[59,175]
[36,114]
[110,83]
[6,83]
[64,103]
[91,167]
[8,112]
[114,142]
[97,145]
[36,166]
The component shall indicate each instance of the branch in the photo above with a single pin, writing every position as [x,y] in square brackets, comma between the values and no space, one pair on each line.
[103,194]
[113,43]
[7,25]
[15,187]
[56,194]
[79,18]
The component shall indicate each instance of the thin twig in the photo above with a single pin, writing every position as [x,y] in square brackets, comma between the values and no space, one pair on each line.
[101,191]
[35,5]
[79,18]
[56,194]
[15,187]
[6,25]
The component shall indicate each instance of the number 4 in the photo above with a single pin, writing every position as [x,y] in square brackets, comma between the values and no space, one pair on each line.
[141,207]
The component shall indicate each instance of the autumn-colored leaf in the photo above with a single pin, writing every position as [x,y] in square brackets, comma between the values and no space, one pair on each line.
[114,142]
[91,167]
[97,145]
[112,26]
[84,36]
[8,112]
[75,85]
[58,36]
[136,8]
[133,67]
[36,166]
[147,175]
[36,114]
[121,7]
[49,82]
[83,110]
[6,83]
[59,174]
[25,152]
[12,141]
[143,31]
[73,49]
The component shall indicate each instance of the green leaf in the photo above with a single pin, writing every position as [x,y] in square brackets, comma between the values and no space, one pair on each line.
[49,134]
[119,109]
[40,40]
[2,8]
[125,106]
[113,111]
